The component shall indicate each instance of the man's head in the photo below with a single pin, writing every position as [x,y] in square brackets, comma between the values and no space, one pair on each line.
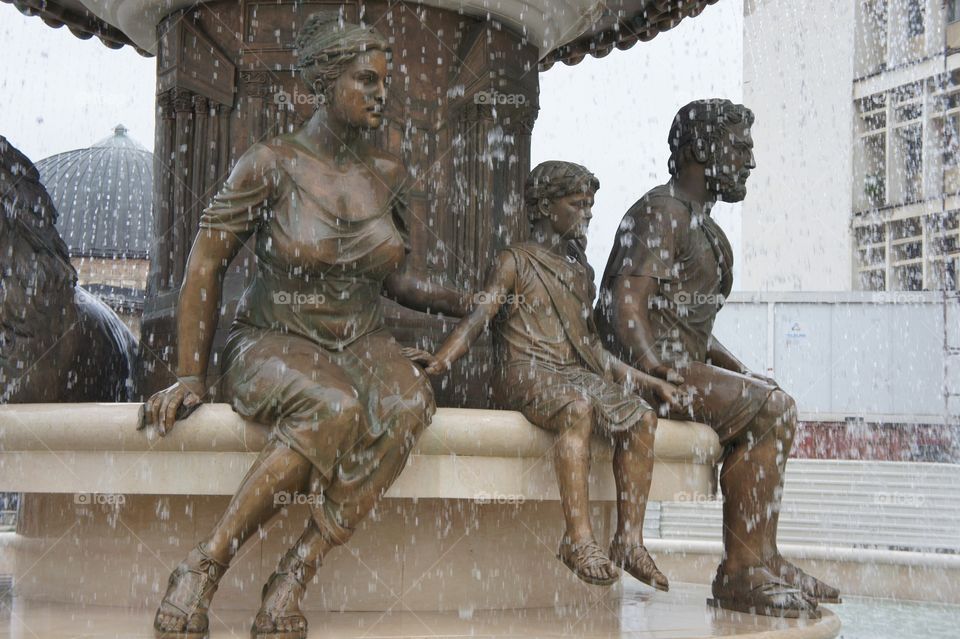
[716,134]
[561,192]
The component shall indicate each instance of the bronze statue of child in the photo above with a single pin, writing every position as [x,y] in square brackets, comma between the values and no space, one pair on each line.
[554,370]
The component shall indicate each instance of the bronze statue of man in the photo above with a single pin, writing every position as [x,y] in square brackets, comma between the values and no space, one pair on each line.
[667,277]
[308,354]
[552,368]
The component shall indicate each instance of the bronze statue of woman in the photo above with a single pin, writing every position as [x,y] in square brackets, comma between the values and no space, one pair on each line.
[308,354]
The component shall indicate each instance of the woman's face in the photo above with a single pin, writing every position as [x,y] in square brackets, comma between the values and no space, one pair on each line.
[357,96]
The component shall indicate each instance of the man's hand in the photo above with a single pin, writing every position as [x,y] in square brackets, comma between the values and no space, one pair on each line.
[762,378]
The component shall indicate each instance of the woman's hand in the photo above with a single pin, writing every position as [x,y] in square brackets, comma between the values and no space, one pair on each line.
[438,366]
[166,407]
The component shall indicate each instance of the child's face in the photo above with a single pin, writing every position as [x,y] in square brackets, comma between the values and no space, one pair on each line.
[570,215]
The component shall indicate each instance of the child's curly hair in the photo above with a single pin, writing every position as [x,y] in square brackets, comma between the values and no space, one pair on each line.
[553,180]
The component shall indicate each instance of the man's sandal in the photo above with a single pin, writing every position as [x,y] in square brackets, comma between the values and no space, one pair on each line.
[758,591]
[183,611]
[578,557]
[636,561]
[286,586]
[810,585]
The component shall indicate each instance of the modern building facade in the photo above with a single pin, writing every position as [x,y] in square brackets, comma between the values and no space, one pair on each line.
[858,120]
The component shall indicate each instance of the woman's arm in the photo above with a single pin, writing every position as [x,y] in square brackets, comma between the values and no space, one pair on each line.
[416,292]
[500,283]
[225,226]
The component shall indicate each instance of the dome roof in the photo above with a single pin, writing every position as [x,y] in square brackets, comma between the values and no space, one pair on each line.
[104,197]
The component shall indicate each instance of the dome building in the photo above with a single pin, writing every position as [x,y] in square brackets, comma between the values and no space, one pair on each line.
[104,197]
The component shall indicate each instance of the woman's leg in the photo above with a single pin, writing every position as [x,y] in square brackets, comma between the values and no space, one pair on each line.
[291,381]
[398,403]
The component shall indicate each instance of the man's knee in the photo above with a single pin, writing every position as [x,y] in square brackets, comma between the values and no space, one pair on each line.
[782,407]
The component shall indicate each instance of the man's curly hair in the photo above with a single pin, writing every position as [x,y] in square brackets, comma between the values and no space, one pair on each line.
[699,128]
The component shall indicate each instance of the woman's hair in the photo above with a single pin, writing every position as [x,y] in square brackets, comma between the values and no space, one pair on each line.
[699,127]
[326,44]
[553,180]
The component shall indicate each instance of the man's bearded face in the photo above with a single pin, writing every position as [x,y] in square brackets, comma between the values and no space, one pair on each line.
[730,166]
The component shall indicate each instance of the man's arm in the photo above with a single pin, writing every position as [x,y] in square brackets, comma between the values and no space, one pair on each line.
[718,355]
[630,320]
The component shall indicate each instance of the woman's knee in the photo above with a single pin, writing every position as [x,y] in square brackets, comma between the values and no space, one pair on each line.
[328,408]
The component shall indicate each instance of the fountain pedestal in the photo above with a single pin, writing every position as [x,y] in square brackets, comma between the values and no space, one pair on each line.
[473,522]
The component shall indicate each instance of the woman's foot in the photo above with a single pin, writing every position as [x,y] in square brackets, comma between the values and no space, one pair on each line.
[280,616]
[635,559]
[810,585]
[758,591]
[183,611]
[588,562]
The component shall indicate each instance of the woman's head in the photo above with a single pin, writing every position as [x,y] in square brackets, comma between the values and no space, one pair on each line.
[345,65]
[563,193]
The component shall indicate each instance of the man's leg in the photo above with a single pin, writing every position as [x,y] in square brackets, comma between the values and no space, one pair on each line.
[756,422]
[751,479]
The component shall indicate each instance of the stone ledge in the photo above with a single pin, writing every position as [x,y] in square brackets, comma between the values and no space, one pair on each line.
[465,454]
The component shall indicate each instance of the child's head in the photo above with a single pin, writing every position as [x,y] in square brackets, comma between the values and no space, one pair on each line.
[561,192]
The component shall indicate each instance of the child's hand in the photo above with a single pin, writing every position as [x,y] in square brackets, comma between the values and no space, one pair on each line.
[419,356]
[670,395]
[438,366]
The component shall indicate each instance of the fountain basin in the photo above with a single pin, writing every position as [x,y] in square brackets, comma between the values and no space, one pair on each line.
[472,523]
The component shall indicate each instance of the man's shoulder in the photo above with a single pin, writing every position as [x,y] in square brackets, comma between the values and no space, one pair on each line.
[659,201]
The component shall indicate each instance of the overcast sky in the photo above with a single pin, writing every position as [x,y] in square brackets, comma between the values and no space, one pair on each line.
[58,93]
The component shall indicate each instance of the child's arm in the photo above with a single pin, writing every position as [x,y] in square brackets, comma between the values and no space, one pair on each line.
[635,379]
[500,283]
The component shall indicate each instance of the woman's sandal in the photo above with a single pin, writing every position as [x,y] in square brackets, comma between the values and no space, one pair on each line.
[577,557]
[758,591]
[287,586]
[183,611]
[636,560]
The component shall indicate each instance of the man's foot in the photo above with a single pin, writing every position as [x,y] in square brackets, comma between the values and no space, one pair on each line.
[810,585]
[183,610]
[758,591]
[635,559]
[279,616]
[588,562]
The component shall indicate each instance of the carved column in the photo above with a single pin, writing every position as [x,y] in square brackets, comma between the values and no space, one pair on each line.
[465,155]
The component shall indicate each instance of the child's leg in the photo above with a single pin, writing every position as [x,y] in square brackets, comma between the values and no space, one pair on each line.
[572,462]
[579,550]
[633,470]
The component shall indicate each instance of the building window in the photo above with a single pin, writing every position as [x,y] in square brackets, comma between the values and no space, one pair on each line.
[871,159]
[871,36]
[889,34]
[915,15]
[953,10]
